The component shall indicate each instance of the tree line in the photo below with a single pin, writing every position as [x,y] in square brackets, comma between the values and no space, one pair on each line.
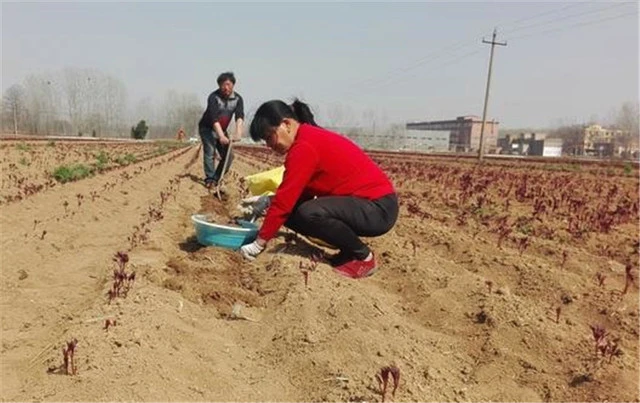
[90,103]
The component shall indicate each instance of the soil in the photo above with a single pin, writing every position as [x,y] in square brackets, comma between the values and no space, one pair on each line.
[462,319]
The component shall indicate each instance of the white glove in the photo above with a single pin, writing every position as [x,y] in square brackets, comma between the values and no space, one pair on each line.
[251,250]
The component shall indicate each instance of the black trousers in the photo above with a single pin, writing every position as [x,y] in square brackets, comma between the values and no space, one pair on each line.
[340,220]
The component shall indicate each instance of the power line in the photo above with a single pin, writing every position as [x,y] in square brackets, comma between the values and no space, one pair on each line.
[581,24]
[419,62]
[395,80]
[565,17]
[449,49]
[542,14]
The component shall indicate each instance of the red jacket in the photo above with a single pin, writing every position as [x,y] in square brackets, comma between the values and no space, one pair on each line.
[323,163]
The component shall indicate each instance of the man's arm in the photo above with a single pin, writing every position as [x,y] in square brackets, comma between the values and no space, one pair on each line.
[239,112]
[239,129]
[221,136]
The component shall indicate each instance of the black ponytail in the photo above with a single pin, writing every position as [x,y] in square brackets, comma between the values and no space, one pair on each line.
[303,112]
[271,113]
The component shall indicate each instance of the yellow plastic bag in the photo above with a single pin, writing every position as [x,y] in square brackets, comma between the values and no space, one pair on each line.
[265,183]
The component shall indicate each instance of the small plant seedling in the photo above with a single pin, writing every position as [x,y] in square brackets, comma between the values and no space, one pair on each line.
[305,268]
[383,380]
[122,280]
[565,255]
[109,322]
[629,278]
[67,354]
[489,284]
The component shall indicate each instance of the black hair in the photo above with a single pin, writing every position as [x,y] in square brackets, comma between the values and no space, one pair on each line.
[271,113]
[227,76]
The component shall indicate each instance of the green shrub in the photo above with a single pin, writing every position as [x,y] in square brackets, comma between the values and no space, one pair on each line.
[102,157]
[69,173]
[140,131]
[23,147]
[125,159]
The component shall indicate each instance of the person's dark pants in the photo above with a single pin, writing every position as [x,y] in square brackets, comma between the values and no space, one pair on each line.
[340,220]
[209,144]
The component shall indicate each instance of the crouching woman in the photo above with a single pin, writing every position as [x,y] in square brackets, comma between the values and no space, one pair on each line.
[331,190]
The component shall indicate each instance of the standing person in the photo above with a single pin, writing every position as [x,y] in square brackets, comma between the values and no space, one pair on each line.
[222,104]
[331,190]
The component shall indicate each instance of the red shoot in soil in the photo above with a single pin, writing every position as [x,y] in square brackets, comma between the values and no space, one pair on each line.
[383,380]
[628,278]
[121,280]
[600,338]
[414,246]
[601,278]
[558,312]
[67,354]
[565,255]
[309,267]
[65,205]
[109,322]
[603,344]
[44,232]
[489,284]
[35,224]
[523,244]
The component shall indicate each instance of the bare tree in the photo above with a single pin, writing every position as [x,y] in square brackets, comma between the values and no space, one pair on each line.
[73,100]
[14,106]
[41,108]
[572,138]
[73,97]
[180,110]
[627,121]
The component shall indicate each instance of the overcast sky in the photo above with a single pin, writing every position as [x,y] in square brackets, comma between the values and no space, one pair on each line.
[397,62]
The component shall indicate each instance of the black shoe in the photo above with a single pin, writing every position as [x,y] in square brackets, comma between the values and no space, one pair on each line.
[339,258]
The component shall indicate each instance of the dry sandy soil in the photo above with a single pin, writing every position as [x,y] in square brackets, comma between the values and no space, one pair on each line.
[429,310]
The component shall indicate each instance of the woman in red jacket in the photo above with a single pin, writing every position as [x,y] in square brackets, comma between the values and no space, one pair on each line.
[331,189]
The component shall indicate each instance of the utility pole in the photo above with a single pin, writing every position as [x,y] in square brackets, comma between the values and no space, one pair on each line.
[486,93]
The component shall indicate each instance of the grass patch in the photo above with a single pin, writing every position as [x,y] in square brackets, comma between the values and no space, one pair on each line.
[102,157]
[69,173]
[126,159]
[23,147]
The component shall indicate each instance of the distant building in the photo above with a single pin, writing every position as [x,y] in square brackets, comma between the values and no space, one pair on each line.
[601,142]
[464,132]
[530,144]
[552,148]
[425,140]
[522,144]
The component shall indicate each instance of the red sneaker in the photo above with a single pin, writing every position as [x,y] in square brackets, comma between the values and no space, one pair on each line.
[358,268]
